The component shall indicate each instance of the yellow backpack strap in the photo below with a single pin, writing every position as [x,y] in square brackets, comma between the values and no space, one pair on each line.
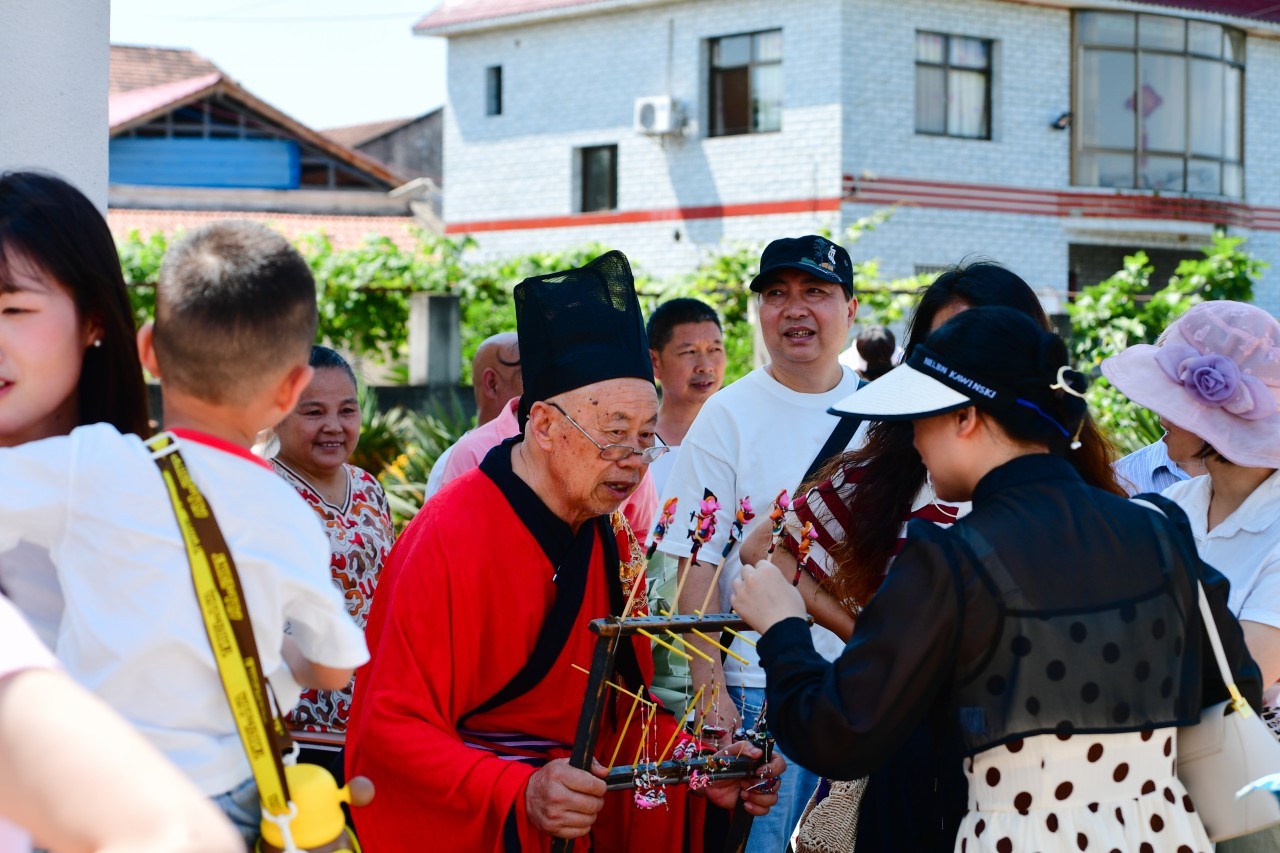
[226,620]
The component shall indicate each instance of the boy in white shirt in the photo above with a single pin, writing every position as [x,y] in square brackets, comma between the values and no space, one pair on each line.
[235,319]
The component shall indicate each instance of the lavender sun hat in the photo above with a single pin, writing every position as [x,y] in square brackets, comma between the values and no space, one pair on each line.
[1217,375]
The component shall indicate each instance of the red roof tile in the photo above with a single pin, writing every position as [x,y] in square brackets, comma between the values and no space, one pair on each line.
[345,232]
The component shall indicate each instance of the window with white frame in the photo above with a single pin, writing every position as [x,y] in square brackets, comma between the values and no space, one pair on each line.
[1159,104]
[746,83]
[953,85]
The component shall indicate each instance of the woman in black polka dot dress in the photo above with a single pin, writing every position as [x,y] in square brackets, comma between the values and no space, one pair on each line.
[1056,626]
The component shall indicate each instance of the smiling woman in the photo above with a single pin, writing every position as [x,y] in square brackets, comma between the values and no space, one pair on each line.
[67,351]
[315,443]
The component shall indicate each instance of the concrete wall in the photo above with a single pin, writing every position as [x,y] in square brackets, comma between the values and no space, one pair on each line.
[53,90]
[417,149]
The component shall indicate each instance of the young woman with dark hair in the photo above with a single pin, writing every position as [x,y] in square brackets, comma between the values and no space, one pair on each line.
[1053,633]
[876,349]
[55,246]
[68,353]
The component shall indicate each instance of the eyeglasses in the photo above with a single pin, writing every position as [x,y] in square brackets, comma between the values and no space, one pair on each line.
[616,452]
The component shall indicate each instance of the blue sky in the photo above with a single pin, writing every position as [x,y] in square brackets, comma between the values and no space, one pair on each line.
[327,63]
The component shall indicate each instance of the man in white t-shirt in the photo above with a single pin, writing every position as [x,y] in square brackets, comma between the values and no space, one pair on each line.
[755,438]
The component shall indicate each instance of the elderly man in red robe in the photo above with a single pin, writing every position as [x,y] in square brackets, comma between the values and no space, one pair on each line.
[466,711]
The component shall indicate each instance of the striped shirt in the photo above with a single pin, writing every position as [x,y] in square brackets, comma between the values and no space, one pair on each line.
[1149,470]
[826,506]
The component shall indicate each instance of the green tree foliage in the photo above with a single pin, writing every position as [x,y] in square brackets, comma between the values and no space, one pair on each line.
[721,282]
[1126,309]
[363,295]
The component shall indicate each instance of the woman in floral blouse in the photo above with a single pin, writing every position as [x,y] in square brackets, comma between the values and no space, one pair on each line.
[315,442]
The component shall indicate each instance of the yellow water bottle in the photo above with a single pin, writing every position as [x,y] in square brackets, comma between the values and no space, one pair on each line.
[319,825]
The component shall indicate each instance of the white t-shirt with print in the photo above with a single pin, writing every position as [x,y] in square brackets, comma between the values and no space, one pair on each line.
[751,439]
[131,630]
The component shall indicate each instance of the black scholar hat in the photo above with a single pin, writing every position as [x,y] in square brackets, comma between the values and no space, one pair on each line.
[579,327]
[815,255]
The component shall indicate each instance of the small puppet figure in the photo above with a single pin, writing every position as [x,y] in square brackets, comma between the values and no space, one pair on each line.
[777,515]
[807,537]
[740,520]
[704,526]
[664,524]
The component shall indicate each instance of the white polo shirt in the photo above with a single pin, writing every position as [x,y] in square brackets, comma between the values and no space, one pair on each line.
[1244,547]
[131,630]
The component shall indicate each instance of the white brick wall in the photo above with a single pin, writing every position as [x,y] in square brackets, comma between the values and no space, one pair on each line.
[848,109]
[1031,86]
[574,83]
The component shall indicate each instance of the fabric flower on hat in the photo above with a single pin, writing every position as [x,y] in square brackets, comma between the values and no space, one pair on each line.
[1216,380]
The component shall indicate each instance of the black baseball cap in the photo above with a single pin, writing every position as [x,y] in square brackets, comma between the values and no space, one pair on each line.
[815,255]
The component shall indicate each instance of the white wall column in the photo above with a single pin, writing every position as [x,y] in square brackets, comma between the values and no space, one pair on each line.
[54,58]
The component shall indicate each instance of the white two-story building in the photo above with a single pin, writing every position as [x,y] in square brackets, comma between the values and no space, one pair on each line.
[1050,135]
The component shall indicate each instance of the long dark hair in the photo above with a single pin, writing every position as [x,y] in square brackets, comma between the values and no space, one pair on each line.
[890,472]
[50,224]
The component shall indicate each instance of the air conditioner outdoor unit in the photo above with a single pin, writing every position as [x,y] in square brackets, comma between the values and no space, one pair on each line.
[656,115]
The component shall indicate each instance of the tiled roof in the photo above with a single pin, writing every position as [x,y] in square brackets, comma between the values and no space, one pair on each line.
[345,232]
[354,135]
[454,12]
[460,13]
[128,106]
[1258,10]
[144,67]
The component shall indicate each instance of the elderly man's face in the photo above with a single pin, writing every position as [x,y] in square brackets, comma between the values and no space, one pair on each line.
[619,411]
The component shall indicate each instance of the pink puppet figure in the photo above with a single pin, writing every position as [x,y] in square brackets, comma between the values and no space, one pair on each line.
[740,520]
[704,522]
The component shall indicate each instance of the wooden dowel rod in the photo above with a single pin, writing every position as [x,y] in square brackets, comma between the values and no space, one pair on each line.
[623,734]
[665,644]
[697,651]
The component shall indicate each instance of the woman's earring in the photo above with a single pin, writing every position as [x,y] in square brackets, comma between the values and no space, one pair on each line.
[98,343]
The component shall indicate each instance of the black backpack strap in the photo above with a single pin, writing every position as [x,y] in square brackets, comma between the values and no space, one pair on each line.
[995,568]
[836,442]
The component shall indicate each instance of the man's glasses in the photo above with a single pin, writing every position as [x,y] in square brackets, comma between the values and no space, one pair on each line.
[616,452]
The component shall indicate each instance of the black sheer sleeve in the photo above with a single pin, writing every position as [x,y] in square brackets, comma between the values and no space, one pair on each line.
[844,719]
